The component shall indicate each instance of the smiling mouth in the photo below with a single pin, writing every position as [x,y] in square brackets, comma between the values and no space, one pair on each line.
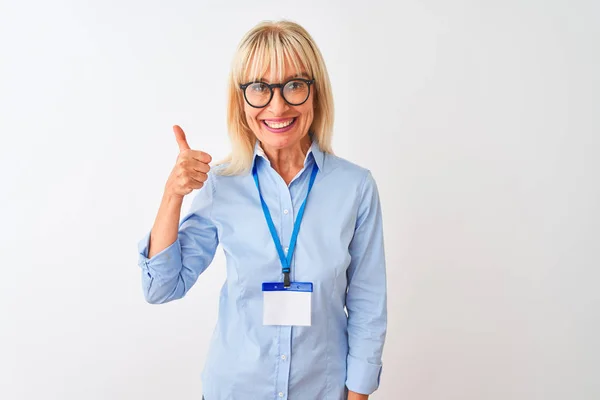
[279,124]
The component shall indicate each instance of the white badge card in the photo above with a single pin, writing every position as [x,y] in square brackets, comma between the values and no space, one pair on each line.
[287,306]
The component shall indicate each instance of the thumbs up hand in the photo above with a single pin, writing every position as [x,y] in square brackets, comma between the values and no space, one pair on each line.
[191,169]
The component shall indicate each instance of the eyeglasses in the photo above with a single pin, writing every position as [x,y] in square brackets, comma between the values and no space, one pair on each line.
[295,92]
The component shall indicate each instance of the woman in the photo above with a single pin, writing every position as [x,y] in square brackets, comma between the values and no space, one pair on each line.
[282,330]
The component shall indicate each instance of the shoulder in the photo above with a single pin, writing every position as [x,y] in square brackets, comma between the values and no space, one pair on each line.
[207,192]
[341,168]
[217,170]
[223,184]
[351,179]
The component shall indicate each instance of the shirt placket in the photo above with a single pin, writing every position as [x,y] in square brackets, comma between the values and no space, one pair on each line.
[285,332]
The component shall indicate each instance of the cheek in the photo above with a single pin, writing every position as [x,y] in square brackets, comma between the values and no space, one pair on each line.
[308,109]
[251,114]
[308,114]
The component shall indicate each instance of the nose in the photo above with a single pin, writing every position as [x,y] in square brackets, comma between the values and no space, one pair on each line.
[278,105]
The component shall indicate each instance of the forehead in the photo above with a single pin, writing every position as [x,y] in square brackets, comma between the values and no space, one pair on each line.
[274,76]
[274,69]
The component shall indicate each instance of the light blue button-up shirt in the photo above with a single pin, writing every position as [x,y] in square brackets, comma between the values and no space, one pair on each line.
[339,249]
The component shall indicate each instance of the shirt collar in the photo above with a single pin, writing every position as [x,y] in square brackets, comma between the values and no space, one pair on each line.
[314,152]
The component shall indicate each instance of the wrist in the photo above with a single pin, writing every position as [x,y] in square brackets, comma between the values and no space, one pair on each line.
[357,396]
[170,198]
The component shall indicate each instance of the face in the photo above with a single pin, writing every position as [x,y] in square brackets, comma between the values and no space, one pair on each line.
[280,125]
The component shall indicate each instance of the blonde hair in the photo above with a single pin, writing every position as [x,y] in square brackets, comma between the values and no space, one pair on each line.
[268,46]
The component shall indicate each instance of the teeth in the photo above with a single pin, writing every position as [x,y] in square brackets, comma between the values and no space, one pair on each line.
[279,125]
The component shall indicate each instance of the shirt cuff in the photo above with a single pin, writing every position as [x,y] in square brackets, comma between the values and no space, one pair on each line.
[362,377]
[160,266]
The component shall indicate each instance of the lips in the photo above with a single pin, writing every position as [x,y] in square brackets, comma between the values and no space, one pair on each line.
[279,125]
[279,122]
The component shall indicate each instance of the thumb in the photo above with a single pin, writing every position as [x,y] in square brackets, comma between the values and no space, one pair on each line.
[180,137]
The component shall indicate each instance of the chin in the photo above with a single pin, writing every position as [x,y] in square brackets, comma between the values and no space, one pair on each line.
[279,140]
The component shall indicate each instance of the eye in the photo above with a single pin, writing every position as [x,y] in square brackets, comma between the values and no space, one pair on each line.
[295,85]
[258,88]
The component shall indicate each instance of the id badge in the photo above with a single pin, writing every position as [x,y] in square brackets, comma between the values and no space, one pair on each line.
[287,306]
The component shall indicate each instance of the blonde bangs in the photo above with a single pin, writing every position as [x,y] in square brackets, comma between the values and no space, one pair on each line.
[268,51]
[268,47]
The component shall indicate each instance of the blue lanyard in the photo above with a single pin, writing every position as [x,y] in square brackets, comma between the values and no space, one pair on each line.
[286,262]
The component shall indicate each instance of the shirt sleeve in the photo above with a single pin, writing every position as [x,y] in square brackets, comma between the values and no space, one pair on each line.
[366,298]
[169,274]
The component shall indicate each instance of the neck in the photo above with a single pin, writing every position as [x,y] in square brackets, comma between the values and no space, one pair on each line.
[290,160]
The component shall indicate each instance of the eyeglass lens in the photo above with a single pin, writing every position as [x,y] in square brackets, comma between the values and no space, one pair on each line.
[259,94]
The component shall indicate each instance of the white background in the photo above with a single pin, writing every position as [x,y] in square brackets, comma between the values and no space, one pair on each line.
[478,119]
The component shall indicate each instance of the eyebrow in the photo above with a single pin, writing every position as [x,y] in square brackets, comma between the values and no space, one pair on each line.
[301,75]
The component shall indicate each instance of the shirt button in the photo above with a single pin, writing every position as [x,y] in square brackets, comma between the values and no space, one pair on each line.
[286,211]
[286,249]
[283,357]
[280,394]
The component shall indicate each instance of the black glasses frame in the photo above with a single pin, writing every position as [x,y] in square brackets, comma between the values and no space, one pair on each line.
[271,86]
